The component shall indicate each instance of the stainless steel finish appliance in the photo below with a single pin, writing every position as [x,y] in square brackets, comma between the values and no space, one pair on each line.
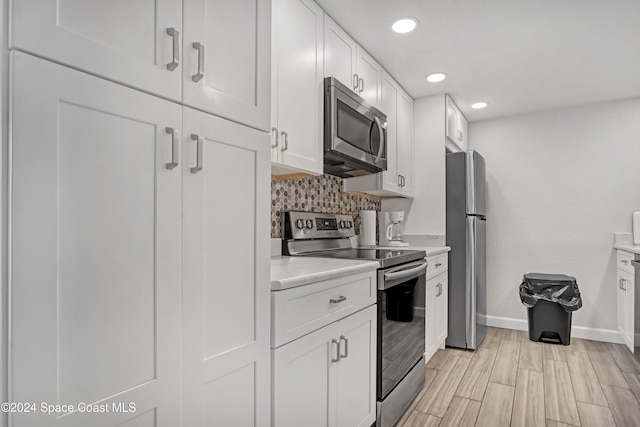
[636,305]
[355,133]
[400,303]
[466,234]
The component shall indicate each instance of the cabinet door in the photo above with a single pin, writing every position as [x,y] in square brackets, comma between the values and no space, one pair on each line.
[96,210]
[356,370]
[441,309]
[371,74]
[304,380]
[125,41]
[391,180]
[405,141]
[227,51]
[297,83]
[225,274]
[429,319]
[626,310]
[452,121]
[462,132]
[339,54]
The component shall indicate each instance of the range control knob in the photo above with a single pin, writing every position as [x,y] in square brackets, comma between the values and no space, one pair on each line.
[341,224]
[309,223]
[349,224]
[299,224]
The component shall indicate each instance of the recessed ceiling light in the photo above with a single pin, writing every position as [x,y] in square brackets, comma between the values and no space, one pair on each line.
[479,105]
[404,25]
[436,77]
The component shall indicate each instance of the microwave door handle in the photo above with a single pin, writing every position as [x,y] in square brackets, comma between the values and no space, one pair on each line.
[382,138]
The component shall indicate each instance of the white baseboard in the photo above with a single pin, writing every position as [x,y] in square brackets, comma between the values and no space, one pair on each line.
[594,334]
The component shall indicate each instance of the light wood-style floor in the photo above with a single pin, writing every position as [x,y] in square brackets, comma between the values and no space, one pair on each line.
[511,381]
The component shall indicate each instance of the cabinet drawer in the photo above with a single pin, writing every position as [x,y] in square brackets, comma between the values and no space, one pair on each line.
[437,265]
[624,261]
[298,311]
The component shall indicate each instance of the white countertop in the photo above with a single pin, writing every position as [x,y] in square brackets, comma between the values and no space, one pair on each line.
[430,250]
[628,248]
[288,272]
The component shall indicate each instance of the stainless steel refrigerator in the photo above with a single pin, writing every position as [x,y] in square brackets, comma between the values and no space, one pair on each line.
[466,234]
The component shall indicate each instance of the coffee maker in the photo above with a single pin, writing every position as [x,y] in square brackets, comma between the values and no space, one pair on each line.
[391,230]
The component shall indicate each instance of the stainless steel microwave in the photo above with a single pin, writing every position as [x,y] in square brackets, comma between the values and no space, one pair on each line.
[355,133]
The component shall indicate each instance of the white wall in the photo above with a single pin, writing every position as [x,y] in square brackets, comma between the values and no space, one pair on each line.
[559,184]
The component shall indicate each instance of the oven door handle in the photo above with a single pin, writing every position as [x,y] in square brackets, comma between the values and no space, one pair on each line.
[400,274]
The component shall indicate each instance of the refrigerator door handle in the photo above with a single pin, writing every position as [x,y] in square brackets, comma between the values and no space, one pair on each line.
[471,283]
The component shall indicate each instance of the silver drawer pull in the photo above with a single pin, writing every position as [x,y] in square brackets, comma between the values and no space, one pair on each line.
[339,300]
[200,74]
[346,347]
[174,148]
[175,59]
[337,343]
[624,261]
[439,265]
[199,147]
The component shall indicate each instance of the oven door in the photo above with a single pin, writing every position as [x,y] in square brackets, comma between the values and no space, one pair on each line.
[355,129]
[401,326]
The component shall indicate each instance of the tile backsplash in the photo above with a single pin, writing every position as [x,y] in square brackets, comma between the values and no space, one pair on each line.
[316,194]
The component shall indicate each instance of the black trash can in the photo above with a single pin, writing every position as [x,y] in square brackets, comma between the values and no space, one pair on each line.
[400,301]
[551,299]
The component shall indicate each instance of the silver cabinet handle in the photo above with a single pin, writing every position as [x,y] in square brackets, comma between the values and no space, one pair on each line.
[403,180]
[285,141]
[337,343]
[361,85]
[438,265]
[355,82]
[399,180]
[460,135]
[624,261]
[622,286]
[199,147]
[338,301]
[200,74]
[175,58]
[277,139]
[439,285]
[174,148]
[346,347]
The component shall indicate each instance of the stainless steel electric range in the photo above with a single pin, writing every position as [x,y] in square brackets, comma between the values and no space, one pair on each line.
[400,301]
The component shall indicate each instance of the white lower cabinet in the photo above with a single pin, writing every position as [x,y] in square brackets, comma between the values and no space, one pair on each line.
[106,214]
[436,305]
[327,377]
[626,295]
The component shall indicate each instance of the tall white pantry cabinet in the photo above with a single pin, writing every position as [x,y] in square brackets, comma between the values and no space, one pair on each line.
[138,249]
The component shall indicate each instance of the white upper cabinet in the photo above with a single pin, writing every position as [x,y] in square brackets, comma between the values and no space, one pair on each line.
[225,287]
[226,69]
[369,78]
[218,63]
[297,86]
[340,54]
[391,179]
[455,125]
[95,205]
[136,43]
[404,154]
[351,64]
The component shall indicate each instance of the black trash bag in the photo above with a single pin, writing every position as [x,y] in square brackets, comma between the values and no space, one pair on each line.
[558,288]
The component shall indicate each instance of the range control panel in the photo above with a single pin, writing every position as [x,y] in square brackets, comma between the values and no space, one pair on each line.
[315,225]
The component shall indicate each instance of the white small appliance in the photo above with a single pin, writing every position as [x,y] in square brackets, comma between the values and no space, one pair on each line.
[393,230]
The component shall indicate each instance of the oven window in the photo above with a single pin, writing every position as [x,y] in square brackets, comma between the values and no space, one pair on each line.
[355,129]
[401,330]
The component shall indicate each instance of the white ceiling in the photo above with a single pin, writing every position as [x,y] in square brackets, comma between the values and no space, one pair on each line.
[518,55]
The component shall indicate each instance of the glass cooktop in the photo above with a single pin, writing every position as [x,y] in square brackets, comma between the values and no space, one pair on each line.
[386,257]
